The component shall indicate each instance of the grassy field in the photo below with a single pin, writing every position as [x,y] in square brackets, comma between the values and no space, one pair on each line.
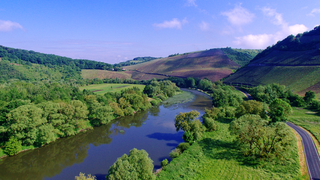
[217,156]
[103,74]
[306,119]
[104,88]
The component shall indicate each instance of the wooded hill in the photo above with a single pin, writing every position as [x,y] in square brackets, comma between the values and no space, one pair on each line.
[213,64]
[294,62]
[29,65]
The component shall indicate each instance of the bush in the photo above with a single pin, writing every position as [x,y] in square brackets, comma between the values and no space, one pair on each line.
[12,147]
[164,163]
[175,153]
[153,102]
[162,97]
[183,146]
[82,176]
[188,137]
[210,124]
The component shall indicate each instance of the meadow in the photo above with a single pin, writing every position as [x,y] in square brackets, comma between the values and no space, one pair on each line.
[218,156]
[105,88]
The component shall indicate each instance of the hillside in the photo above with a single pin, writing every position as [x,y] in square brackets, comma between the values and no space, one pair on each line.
[294,62]
[29,65]
[137,60]
[213,64]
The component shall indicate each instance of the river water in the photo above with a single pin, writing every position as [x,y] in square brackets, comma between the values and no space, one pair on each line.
[94,151]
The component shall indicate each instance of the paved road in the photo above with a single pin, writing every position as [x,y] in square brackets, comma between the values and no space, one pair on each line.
[311,153]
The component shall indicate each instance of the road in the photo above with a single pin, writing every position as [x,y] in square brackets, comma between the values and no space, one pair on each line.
[311,153]
[310,150]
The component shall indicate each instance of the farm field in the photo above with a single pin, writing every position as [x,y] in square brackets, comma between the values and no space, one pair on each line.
[217,156]
[103,74]
[105,88]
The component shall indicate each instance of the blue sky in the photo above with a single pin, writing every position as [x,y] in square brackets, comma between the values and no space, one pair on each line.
[118,30]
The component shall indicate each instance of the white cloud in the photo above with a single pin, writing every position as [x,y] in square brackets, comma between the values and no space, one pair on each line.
[254,41]
[204,26]
[297,28]
[191,3]
[263,40]
[174,23]
[313,12]
[239,16]
[277,17]
[9,25]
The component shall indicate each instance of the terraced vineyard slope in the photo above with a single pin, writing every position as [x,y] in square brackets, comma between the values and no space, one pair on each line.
[213,64]
[294,62]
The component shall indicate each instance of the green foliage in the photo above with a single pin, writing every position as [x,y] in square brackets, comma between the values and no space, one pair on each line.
[184,121]
[268,93]
[135,166]
[12,147]
[260,139]
[279,110]
[175,153]
[225,96]
[309,96]
[165,88]
[205,84]
[240,56]
[210,124]
[218,156]
[251,107]
[183,146]
[82,176]
[153,102]
[164,163]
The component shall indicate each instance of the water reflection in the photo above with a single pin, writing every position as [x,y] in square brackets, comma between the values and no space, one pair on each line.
[94,151]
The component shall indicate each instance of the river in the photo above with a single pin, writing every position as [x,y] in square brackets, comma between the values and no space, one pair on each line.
[94,151]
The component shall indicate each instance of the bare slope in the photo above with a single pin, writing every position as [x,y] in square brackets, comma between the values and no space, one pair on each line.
[294,62]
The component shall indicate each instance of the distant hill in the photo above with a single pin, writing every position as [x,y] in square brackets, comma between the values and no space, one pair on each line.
[213,64]
[29,65]
[294,62]
[137,60]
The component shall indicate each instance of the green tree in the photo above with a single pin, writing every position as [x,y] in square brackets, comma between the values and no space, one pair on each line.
[24,122]
[279,110]
[251,107]
[309,96]
[12,147]
[137,165]
[183,121]
[100,114]
[193,127]
[164,163]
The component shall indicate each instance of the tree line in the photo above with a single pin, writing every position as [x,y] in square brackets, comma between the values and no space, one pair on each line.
[37,113]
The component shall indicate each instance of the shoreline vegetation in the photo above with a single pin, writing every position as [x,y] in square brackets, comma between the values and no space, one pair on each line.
[51,120]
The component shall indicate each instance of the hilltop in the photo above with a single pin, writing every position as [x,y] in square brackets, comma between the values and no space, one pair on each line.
[294,62]
[30,65]
[213,64]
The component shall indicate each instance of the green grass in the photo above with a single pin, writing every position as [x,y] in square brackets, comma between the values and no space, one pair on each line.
[218,156]
[306,119]
[182,97]
[105,88]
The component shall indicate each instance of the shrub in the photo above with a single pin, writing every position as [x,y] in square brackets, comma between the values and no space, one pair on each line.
[12,147]
[153,102]
[82,176]
[183,146]
[162,97]
[210,124]
[164,163]
[188,137]
[175,153]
